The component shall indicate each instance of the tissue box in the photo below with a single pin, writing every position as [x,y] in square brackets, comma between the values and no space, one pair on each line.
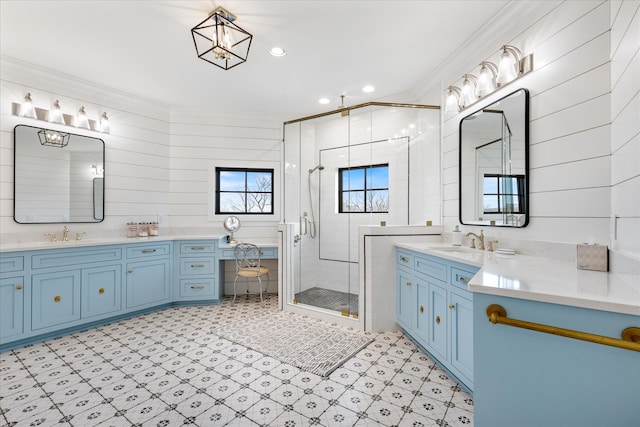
[593,257]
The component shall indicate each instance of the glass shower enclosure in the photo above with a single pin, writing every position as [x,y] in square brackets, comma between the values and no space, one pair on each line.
[363,165]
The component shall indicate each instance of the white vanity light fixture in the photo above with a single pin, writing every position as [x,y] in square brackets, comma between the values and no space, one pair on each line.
[468,91]
[104,123]
[452,103]
[512,65]
[26,108]
[82,121]
[55,115]
[486,78]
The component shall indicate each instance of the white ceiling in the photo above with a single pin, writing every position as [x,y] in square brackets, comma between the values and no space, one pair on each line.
[145,48]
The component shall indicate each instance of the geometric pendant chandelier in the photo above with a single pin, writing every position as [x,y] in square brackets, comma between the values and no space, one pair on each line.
[220,41]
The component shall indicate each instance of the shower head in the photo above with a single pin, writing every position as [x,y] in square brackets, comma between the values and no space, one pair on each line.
[319,167]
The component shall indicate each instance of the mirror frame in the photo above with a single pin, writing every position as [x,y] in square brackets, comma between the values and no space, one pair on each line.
[97,207]
[527,203]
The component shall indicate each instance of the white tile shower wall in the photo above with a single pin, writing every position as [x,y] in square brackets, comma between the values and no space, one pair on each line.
[570,127]
[625,127]
[136,149]
[200,140]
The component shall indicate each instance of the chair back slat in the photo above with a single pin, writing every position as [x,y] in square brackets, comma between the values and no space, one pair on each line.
[247,256]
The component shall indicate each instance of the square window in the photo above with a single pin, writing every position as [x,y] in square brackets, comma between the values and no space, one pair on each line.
[244,190]
[364,189]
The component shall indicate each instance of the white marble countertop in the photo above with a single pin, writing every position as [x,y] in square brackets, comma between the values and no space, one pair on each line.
[542,279]
[29,246]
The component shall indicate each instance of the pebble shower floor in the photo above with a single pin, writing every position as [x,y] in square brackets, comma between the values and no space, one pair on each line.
[166,369]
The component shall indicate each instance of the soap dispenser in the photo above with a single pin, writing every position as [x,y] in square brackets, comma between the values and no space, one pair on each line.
[456,237]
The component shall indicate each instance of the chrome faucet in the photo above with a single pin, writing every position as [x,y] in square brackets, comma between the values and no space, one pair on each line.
[480,239]
[65,234]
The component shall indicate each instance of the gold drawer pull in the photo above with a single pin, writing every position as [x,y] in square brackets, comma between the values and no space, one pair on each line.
[19,287]
[197,287]
[57,298]
[438,320]
[197,248]
[197,265]
[148,251]
[451,306]
[408,283]
[404,259]
[101,291]
[421,309]
[463,280]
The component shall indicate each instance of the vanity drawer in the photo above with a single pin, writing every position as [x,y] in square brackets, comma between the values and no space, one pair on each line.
[147,251]
[265,253]
[460,278]
[193,266]
[431,268]
[74,257]
[9,264]
[404,259]
[197,287]
[198,248]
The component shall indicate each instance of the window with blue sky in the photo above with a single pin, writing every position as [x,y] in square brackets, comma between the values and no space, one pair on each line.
[364,189]
[244,190]
[503,193]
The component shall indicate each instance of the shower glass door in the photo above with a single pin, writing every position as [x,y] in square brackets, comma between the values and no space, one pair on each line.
[342,171]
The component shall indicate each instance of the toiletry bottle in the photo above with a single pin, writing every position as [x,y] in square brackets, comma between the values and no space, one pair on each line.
[456,237]
[132,229]
[153,229]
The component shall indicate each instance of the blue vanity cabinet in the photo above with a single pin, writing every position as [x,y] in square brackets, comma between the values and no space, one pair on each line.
[12,292]
[148,275]
[55,298]
[101,290]
[11,308]
[196,271]
[435,308]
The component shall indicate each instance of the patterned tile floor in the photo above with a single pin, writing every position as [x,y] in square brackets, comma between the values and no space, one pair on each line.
[164,369]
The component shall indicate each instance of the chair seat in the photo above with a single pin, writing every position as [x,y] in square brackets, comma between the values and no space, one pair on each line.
[252,272]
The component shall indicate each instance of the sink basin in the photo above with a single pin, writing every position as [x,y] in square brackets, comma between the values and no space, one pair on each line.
[458,249]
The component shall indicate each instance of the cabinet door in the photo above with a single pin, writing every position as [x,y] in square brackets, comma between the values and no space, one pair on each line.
[148,283]
[55,298]
[11,307]
[423,312]
[461,334]
[405,300]
[101,287]
[438,320]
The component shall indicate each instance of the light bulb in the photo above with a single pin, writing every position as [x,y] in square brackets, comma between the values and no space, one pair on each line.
[507,68]
[55,115]
[27,109]
[104,123]
[486,79]
[467,93]
[81,119]
[452,102]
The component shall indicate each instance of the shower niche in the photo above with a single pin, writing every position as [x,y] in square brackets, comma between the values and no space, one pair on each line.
[366,165]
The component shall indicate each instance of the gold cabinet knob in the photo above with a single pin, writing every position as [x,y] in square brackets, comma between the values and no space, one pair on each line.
[438,319]
[19,287]
[408,283]
[101,291]
[451,306]
[57,298]
[421,309]
[404,259]
[130,270]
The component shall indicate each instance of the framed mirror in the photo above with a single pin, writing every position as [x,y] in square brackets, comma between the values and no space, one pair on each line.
[58,176]
[494,163]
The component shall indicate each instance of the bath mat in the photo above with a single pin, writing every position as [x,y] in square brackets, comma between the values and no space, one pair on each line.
[309,344]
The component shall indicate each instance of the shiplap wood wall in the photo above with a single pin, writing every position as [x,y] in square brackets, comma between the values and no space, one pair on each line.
[583,107]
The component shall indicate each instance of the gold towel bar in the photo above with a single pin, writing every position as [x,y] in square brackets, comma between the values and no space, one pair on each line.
[630,336]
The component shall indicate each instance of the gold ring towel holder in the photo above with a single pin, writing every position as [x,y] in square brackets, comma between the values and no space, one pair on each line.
[630,336]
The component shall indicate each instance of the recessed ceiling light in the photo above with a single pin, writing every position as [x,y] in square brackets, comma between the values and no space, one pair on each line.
[368,89]
[277,51]
[324,100]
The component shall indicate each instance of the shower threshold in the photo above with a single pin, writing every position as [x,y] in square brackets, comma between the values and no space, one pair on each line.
[328,299]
